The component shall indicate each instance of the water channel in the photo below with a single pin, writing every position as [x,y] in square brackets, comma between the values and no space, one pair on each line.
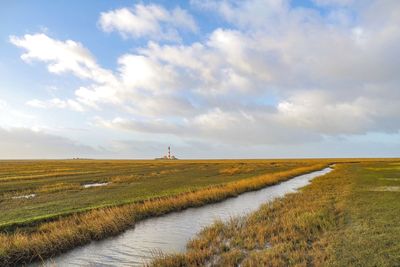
[171,232]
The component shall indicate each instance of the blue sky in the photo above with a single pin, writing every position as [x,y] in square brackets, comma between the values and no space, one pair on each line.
[215,79]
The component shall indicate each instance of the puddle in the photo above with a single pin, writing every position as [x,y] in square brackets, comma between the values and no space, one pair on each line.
[94,185]
[24,196]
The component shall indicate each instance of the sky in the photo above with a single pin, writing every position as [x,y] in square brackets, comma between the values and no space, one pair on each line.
[213,79]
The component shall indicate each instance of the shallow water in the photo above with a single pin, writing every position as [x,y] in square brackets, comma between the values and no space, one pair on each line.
[171,232]
[25,196]
[94,185]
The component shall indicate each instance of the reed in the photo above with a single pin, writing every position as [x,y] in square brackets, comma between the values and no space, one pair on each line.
[51,238]
[338,220]
[58,183]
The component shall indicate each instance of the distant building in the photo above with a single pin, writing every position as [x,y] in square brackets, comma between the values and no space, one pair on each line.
[168,156]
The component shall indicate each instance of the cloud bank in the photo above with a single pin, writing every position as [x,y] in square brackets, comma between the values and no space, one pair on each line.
[275,74]
[23,143]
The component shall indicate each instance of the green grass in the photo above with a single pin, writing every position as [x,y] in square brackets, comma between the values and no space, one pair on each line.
[57,184]
[349,217]
[370,234]
[43,239]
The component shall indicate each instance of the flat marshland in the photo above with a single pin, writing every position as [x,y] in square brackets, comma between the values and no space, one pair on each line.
[46,208]
[58,186]
[349,217]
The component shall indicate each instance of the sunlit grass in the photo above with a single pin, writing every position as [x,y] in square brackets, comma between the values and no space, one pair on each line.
[45,239]
[335,221]
[294,228]
[59,191]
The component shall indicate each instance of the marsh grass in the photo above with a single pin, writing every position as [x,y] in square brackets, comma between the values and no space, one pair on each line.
[236,170]
[57,187]
[125,178]
[50,238]
[57,184]
[335,221]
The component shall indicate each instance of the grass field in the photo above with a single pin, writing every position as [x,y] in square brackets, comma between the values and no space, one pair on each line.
[63,214]
[58,184]
[349,217]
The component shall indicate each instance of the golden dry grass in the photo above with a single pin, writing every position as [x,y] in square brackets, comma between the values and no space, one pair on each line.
[335,221]
[51,238]
[57,187]
[59,191]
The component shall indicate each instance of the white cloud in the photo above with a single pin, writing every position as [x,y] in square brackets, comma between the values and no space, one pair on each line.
[323,114]
[56,103]
[329,75]
[73,57]
[152,21]
[142,73]
[155,126]
[62,57]
[223,127]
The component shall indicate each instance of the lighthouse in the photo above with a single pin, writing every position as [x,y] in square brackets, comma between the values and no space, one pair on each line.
[169,156]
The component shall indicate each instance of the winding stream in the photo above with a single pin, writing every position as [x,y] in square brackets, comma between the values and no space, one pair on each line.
[171,232]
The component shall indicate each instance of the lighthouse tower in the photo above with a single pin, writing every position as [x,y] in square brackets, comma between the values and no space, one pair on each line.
[169,156]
